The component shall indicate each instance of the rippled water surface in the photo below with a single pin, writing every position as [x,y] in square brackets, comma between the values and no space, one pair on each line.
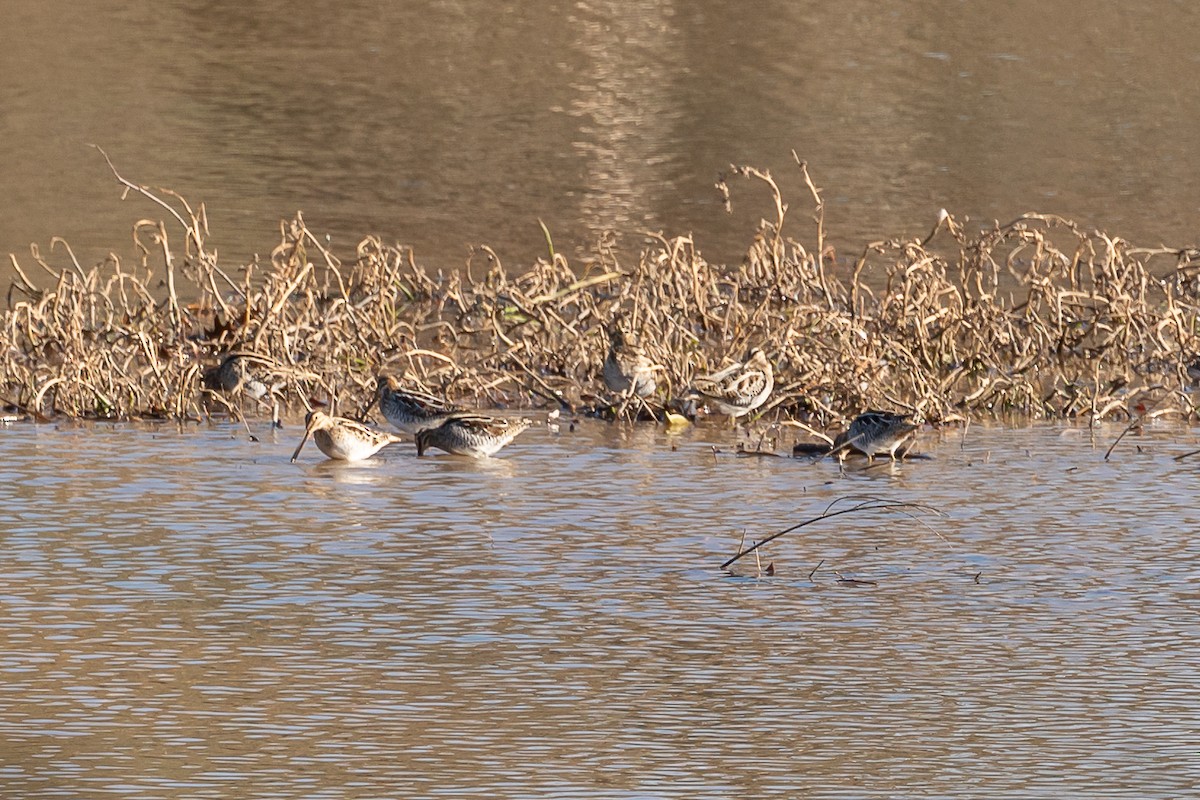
[189,615]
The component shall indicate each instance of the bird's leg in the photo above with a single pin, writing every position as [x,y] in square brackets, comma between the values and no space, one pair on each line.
[644,405]
[622,407]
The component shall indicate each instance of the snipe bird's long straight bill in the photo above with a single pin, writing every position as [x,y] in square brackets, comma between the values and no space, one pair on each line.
[303,439]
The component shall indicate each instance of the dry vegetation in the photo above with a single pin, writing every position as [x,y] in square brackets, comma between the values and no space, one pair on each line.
[1037,318]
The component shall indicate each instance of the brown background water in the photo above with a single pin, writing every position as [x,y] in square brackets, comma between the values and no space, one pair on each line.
[448,124]
[188,615]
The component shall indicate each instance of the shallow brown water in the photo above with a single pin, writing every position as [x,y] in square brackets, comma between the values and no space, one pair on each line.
[449,123]
[188,615]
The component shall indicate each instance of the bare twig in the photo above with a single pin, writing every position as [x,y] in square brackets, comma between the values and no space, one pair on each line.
[860,505]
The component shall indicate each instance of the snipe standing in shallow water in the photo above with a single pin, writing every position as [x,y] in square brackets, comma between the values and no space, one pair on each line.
[411,412]
[875,433]
[626,369]
[474,435]
[343,439]
[740,388]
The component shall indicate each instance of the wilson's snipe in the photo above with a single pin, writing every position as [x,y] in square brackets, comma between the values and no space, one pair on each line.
[740,388]
[248,374]
[411,412]
[467,434]
[240,371]
[875,433]
[627,369]
[343,439]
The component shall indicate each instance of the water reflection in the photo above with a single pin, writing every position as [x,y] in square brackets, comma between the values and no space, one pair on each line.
[625,107]
[448,124]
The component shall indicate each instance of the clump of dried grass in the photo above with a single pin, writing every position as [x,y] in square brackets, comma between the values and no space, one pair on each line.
[1037,318]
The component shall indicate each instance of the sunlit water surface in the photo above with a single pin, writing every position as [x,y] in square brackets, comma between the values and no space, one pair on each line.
[189,615]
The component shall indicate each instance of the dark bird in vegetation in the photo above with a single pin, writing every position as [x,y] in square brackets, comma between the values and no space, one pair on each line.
[246,374]
[626,369]
[1193,370]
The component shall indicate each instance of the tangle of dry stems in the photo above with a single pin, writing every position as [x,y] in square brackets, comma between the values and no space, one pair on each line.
[1037,318]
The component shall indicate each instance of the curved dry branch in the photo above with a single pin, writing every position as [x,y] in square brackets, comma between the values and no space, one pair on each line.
[861,505]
